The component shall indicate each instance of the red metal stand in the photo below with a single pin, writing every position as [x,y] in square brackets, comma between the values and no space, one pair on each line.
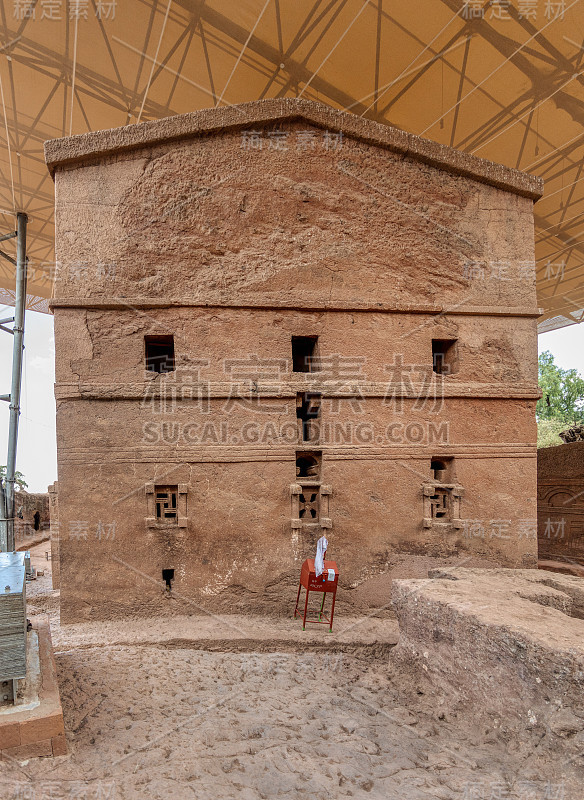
[311,583]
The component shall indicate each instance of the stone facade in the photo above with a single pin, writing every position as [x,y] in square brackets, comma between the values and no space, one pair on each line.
[277,320]
[501,649]
[560,503]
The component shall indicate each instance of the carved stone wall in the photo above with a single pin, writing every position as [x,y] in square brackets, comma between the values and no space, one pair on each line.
[560,502]
[55,539]
[290,313]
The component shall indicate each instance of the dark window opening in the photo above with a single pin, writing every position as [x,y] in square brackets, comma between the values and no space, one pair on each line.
[313,500]
[438,469]
[444,358]
[159,353]
[441,505]
[307,412]
[309,506]
[168,577]
[37,520]
[308,465]
[304,353]
[441,469]
[165,498]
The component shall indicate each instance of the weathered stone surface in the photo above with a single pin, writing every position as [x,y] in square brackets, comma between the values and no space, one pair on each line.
[55,540]
[206,221]
[502,645]
[573,434]
[560,503]
[74,149]
[378,247]
[32,518]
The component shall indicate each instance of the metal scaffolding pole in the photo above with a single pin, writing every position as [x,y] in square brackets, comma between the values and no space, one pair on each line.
[7,540]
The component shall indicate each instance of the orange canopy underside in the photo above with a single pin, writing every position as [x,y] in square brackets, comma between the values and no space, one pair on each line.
[503,80]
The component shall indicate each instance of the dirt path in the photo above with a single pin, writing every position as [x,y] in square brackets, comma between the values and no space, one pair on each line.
[152,713]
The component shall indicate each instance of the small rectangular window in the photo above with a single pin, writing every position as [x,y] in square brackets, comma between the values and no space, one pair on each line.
[165,499]
[168,577]
[308,465]
[442,469]
[307,413]
[159,353]
[444,357]
[304,353]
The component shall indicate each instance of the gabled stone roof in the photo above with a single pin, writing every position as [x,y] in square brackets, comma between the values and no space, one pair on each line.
[89,146]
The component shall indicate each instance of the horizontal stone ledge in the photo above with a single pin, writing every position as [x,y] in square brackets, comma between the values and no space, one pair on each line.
[140,303]
[561,482]
[216,453]
[440,450]
[287,390]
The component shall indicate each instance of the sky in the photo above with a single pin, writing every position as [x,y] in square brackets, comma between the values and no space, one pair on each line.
[36,454]
[37,458]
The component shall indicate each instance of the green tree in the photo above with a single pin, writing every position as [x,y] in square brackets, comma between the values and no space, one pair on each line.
[563,392]
[20,482]
[548,432]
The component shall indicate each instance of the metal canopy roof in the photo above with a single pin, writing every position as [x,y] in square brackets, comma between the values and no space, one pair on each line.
[502,79]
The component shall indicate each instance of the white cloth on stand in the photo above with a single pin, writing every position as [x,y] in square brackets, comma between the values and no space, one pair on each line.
[321,547]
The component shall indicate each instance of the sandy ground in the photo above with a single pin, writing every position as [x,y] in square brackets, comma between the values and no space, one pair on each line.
[241,707]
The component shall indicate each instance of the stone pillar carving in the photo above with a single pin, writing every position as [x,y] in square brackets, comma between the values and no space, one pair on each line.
[55,538]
